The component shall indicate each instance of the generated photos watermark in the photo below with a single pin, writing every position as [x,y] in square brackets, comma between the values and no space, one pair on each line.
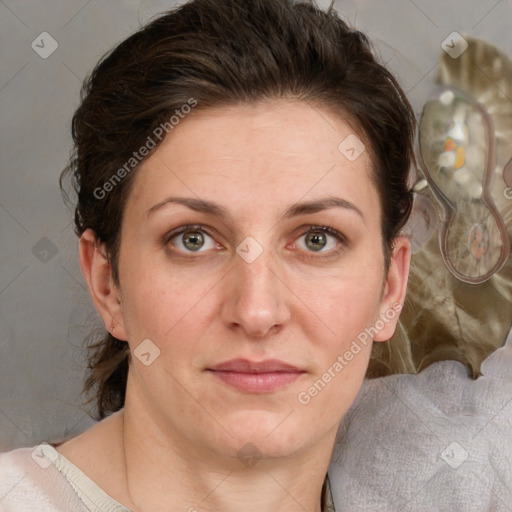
[304,397]
[137,156]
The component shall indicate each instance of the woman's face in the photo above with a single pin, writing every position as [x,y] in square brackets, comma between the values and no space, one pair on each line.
[251,281]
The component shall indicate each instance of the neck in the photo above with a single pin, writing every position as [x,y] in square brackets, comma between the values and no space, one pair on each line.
[161,469]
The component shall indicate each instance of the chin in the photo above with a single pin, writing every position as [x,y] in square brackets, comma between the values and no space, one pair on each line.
[269,434]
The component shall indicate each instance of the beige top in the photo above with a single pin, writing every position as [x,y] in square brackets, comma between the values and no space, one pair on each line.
[41,479]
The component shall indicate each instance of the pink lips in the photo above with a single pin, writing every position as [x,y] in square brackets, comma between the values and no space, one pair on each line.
[256,377]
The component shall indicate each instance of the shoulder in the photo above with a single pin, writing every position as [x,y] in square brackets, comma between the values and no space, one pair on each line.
[29,481]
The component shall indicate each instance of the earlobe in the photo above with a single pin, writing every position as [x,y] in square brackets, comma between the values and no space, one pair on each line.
[97,273]
[395,288]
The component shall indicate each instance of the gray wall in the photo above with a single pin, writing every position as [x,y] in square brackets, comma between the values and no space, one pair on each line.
[44,306]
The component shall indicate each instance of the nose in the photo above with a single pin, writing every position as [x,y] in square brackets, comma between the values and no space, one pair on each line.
[256,298]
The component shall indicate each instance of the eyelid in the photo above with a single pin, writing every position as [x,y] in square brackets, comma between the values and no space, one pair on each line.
[187,227]
[325,228]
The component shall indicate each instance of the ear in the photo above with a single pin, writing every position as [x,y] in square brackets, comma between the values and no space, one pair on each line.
[395,288]
[105,294]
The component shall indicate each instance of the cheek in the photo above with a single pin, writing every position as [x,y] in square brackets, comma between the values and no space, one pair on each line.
[164,306]
[329,395]
[345,305]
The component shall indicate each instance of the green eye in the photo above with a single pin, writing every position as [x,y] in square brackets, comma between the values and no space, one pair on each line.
[317,239]
[191,239]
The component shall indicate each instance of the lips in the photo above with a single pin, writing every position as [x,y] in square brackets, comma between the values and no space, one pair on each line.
[256,377]
[245,366]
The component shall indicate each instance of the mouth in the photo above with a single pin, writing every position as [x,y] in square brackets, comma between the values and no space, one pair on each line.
[256,377]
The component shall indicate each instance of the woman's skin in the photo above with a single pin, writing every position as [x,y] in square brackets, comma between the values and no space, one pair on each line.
[187,429]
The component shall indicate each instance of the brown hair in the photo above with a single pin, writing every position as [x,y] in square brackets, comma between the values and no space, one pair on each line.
[225,52]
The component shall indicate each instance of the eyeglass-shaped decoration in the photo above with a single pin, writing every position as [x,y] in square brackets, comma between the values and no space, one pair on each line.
[457,155]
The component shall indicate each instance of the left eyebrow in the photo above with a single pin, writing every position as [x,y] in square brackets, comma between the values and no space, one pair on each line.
[321,204]
[212,208]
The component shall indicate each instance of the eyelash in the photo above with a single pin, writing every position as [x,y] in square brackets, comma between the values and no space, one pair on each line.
[314,228]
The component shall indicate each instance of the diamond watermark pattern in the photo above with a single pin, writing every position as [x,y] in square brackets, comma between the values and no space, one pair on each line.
[454,45]
[146,352]
[249,455]
[454,455]
[351,147]
[42,456]
[44,250]
[44,45]
[249,249]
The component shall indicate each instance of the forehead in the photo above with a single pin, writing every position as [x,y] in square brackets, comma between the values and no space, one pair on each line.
[266,152]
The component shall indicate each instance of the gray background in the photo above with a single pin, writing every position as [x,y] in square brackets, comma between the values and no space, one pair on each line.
[45,311]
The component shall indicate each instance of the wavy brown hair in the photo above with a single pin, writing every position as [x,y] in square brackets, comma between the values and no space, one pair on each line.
[225,52]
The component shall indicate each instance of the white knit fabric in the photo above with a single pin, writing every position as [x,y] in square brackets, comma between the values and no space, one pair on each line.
[41,479]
